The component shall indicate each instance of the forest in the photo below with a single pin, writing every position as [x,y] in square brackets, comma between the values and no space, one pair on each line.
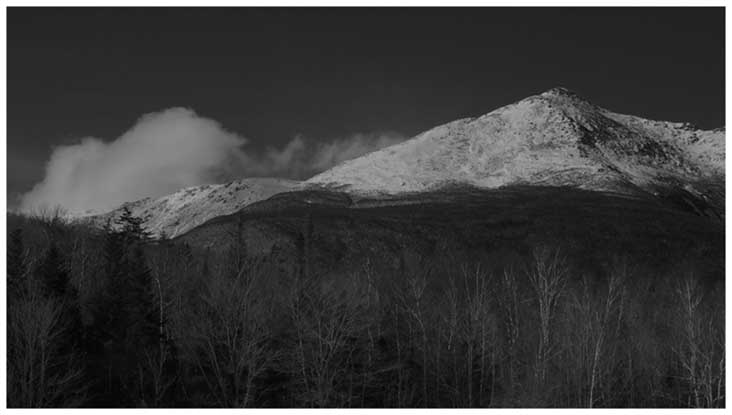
[114,318]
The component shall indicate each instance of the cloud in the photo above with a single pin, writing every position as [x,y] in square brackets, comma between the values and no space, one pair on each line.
[172,149]
[302,158]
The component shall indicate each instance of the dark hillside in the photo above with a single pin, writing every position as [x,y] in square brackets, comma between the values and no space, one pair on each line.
[506,223]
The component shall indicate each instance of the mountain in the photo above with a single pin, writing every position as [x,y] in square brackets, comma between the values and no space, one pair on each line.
[556,138]
[182,211]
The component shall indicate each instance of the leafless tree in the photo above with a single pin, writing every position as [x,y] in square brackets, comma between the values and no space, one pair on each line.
[509,304]
[470,334]
[328,320]
[232,337]
[701,352]
[414,305]
[595,319]
[547,274]
[38,375]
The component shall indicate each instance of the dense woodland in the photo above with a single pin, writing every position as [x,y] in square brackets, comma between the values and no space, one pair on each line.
[114,318]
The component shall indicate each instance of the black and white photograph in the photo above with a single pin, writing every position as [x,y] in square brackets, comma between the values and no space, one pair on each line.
[353,206]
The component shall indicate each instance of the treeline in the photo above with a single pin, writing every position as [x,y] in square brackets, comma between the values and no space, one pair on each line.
[116,319]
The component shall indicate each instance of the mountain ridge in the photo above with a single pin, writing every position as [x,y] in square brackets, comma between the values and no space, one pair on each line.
[555,138]
[179,212]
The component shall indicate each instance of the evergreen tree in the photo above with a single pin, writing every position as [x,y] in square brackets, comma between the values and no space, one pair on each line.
[126,330]
[132,228]
[16,264]
[56,287]
[53,274]
[140,302]
[237,251]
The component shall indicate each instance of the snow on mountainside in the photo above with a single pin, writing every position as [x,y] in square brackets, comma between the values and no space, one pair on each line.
[182,211]
[556,138]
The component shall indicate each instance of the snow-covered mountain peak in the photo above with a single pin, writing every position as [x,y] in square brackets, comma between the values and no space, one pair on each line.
[559,91]
[562,97]
[553,138]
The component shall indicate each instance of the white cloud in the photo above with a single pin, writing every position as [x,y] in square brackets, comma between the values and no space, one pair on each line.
[175,148]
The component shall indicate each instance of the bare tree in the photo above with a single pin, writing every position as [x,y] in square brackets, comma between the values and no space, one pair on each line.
[470,334]
[328,319]
[38,375]
[509,304]
[232,337]
[595,320]
[414,304]
[547,275]
[701,352]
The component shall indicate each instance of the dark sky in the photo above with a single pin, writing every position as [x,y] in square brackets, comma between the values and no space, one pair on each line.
[269,74]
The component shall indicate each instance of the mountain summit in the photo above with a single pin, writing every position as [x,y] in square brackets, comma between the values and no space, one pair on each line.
[556,138]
